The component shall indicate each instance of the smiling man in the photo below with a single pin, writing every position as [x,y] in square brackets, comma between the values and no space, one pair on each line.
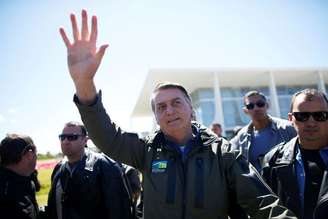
[185,175]
[263,132]
[297,170]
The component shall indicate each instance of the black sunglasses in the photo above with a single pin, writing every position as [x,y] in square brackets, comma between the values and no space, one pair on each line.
[29,147]
[69,137]
[317,116]
[259,104]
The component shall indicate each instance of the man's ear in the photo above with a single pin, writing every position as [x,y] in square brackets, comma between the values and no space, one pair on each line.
[86,138]
[290,117]
[245,110]
[27,156]
[157,121]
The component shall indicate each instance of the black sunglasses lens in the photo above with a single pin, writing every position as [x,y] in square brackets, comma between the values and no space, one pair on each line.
[29,147]
[320,116]
[68,137]
[301,116]
[72,137]
[250,106]
[317,116]
[260,104]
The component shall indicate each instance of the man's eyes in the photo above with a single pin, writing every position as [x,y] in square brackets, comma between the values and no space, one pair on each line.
[177,102]
[161,108]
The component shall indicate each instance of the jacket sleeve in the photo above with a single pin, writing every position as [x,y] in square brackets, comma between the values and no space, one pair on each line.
[234,143]
[267,173]
[109,138]
[252,193]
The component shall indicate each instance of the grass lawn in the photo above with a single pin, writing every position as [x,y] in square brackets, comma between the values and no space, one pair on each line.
[44,177]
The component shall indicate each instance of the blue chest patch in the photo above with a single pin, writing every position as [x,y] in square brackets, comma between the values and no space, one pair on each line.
[159,166]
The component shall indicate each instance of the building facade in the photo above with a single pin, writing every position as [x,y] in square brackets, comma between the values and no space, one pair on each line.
[217,94]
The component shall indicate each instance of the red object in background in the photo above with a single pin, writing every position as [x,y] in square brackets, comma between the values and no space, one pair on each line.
[48,164]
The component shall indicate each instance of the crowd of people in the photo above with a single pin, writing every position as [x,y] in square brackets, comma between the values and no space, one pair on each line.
[271,168]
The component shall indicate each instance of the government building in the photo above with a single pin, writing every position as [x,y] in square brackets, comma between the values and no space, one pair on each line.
[217,94]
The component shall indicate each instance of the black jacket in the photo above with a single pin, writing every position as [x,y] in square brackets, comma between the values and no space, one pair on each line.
[17,196]
[279,171]
[95,189]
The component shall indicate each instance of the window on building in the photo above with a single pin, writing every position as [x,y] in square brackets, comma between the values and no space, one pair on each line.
[285,94]
[203,103]
[232,104]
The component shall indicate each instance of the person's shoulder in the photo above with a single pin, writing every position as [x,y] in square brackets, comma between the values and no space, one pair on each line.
[154,139]
[281,122]
[274,151]
[243,131]
[281,149]
[241,135]
[99,157]
[106,163]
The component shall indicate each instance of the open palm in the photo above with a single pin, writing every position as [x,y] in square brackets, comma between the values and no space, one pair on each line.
[82,55]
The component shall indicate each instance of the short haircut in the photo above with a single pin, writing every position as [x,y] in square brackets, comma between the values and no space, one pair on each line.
[254,93]
[169,85]
[309,94]
[216,124]
[77,124]
[12,147]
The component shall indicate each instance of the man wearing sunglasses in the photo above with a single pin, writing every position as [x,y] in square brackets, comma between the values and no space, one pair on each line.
[85,184]
[297,170]
[263,132]
[17,191]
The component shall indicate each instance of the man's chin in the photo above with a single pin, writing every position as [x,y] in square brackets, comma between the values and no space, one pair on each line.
[311,138]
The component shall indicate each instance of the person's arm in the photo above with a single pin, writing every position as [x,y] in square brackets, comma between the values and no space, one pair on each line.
[252,193]
[121,146]
[234,143]
[83,57]
[83,62]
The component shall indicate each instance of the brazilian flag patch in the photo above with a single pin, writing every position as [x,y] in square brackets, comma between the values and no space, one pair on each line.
[159,166]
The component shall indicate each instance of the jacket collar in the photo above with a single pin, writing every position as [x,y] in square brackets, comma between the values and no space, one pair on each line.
[288,152]
[273,125]
[203,137]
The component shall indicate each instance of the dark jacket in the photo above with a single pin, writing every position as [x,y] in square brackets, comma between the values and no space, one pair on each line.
[17,196]
[198,186]
[279,171]
[95,189]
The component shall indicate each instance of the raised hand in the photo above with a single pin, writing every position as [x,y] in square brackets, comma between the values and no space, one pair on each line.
[83,57]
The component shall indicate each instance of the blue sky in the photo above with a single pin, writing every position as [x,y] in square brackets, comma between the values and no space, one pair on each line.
[36,90]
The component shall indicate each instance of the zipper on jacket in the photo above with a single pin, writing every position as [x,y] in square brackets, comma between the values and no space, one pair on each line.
[184,190]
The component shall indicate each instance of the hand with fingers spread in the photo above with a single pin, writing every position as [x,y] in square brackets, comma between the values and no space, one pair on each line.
[83,57]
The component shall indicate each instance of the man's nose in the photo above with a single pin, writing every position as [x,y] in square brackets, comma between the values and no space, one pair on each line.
[169,110]
[311,121]
[64,140]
